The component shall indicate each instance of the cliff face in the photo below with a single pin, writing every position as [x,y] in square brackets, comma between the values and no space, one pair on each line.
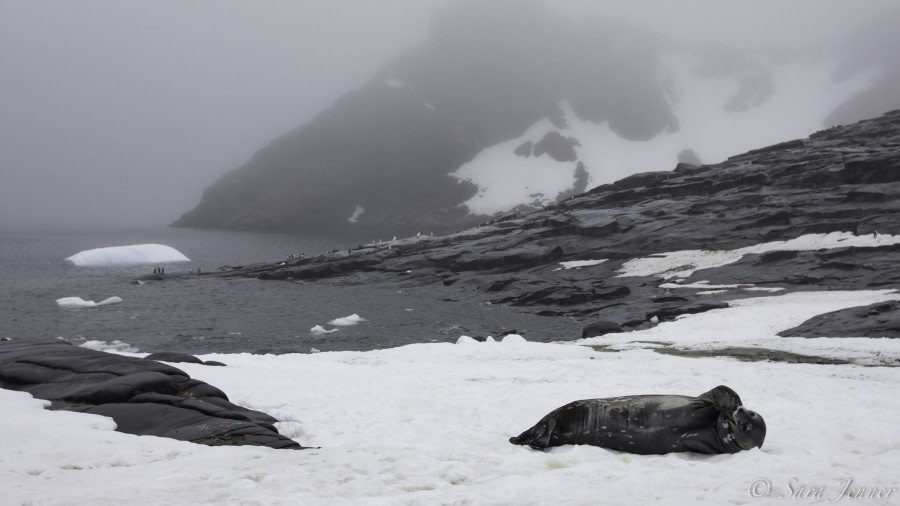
[439,136]
[821,213]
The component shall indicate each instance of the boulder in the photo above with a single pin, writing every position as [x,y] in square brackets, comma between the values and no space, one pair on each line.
[143,397]
[599,328]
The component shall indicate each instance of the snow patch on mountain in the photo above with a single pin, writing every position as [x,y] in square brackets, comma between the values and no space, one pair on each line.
[718,116]
[506,180]
[394,83]
[354,218]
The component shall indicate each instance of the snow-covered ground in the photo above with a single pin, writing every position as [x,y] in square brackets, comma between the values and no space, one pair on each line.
[684,263]
[135,254]
[429,423]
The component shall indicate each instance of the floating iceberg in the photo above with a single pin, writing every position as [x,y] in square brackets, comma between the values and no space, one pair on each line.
[76,302]
[114,346]
[347,320]
[319,330]
[128,255]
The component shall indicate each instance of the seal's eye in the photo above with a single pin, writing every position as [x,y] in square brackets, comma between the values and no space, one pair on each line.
[747,427]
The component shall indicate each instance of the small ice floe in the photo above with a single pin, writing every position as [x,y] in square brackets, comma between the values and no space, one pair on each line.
[347,320]
[136,254]
[319,330]
[114,346]
[78,302]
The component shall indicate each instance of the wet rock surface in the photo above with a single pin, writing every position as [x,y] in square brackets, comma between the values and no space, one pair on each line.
[143,397]
[171,356]
[877,320]
[844,179]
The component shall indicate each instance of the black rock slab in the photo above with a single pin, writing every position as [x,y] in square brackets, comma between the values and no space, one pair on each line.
[175,357]
[143,397]
[876,320]
[599,328]
[171,356]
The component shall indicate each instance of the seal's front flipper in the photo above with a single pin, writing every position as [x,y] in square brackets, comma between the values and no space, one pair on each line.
[723,398]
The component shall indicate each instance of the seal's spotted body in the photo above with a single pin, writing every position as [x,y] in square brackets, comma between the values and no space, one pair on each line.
[714,422]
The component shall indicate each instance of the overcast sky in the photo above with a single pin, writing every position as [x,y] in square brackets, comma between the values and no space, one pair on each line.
[118,113]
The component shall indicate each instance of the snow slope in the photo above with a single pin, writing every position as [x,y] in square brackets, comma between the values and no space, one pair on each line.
[804,96]
[429,423]
[127,255]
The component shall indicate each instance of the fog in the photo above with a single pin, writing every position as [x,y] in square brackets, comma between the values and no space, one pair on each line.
[119,113]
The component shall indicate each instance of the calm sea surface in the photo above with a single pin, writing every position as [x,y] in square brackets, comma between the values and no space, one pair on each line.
[205,315]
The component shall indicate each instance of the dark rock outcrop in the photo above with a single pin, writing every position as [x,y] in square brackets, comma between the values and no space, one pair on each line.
[877,320]
[143,397]
[843,179]
[600,328]
[171,356]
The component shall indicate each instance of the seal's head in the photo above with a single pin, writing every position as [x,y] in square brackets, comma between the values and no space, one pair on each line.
[749,428]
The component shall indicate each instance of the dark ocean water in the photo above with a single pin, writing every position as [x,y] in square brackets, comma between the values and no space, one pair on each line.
[206,314]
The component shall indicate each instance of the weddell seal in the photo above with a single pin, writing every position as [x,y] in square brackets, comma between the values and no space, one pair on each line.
[713,422]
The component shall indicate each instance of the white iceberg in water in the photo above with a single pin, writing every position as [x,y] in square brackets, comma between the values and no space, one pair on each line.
[115,346]
[319,330]
[76,302]
[347,320]
[128,255]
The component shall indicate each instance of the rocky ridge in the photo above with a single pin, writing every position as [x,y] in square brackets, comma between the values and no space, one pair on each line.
[840,180]
[143,396]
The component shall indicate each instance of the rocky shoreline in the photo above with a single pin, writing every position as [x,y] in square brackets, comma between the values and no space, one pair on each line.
[844,179]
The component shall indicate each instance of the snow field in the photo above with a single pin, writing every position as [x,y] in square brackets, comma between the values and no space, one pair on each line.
[684,263]
[755,322]
[577,264]
[429,423]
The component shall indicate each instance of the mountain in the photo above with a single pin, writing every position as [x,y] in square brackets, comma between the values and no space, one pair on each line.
[815,214]
[499,111]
